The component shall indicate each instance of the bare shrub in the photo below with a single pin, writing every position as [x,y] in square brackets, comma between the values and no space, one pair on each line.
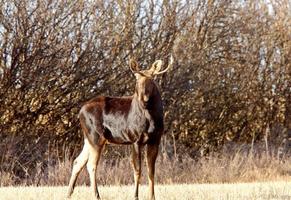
[230,81]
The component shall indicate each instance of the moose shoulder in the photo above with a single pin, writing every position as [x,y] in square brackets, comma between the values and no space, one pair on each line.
[136,120]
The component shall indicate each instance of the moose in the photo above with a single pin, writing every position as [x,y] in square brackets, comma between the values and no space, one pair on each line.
[136,120]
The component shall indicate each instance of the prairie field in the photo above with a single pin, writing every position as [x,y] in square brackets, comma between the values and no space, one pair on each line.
[257,190]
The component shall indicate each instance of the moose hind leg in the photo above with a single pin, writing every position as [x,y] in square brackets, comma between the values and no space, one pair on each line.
[151,156]
[78,165]
[94,157]
[136,163]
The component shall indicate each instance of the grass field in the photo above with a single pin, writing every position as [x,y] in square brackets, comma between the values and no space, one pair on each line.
[241,191]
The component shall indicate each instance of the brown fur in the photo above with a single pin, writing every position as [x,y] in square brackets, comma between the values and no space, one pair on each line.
[135,120]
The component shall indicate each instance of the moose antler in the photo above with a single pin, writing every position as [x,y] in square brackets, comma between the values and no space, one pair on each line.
[154,70]
[157,66]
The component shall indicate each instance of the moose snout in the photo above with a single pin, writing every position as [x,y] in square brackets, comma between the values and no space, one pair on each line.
[145,101]
[145,98]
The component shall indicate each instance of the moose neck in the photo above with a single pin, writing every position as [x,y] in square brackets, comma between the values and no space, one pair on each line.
[153,112]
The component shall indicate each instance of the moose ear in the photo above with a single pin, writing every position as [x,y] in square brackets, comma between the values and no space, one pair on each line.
[133,65]
[156,67]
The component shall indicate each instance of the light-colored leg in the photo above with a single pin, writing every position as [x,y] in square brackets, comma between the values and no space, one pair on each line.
[136,163]
[94,157]
[151,156]
[78,165]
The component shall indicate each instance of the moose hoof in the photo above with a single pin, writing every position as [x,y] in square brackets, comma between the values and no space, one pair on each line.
[68,197]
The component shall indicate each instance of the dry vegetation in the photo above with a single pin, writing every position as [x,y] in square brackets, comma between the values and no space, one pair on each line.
[238,191]
[230,84]
[230,165]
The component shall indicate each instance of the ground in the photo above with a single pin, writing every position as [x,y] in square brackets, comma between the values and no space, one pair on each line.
[238,191]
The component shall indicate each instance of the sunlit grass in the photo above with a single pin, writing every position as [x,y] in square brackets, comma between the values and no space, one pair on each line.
[267,190]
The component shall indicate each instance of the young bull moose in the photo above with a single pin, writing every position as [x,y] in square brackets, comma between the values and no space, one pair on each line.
[135,120]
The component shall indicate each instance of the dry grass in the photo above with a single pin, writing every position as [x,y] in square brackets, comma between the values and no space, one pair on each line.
[236,174]
[224,167]
[238,191]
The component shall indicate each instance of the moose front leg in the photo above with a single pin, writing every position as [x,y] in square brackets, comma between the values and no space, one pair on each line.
[136,163]
[151,156]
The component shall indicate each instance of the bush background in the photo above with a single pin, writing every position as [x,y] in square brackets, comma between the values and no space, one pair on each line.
[230,83]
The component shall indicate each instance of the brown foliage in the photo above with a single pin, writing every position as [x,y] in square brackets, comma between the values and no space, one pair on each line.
[230,81]
[233,74]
